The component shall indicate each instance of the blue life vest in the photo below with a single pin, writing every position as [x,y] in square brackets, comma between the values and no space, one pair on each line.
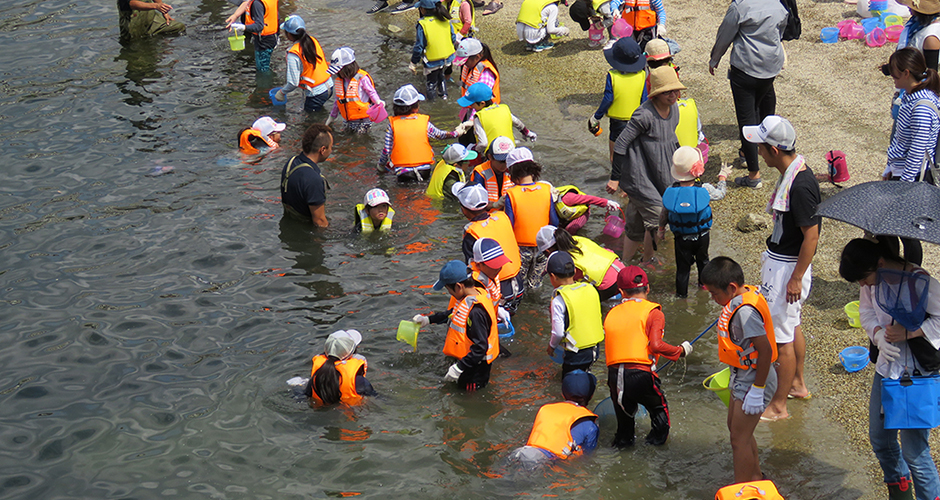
[689,209]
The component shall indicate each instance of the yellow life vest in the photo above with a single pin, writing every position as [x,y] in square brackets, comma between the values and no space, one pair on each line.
[625,333]
[348,369]
[687,129]
[593,261]
[411,147]
[751,490]
[552,428]
[270,17]
[564,211]
[438,34]
[628,91]
[457,344]
[732,354]
[311,76]
[585,326]
[366,225]
[531,205]
[596,4]
[455,14]
[351,105]
[441,171]
[496,121]
[530,13]
[498,227]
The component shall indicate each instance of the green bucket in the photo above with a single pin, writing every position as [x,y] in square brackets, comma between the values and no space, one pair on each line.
[718,383]
[236,42]
[408,333]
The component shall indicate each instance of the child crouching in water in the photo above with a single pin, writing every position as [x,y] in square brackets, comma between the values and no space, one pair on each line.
[745,343]
[354,90]
[263,133]
[339,374]
[374,213]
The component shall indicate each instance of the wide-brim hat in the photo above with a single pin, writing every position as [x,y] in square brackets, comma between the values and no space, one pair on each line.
[626,56]
[664,79]
[928,7]
[687,164]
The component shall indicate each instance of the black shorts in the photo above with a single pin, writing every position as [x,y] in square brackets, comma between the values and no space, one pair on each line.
[616,127]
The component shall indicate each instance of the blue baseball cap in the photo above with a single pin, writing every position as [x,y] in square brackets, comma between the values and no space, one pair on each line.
[454,271]
[578,386]
[478,92]
[293,24]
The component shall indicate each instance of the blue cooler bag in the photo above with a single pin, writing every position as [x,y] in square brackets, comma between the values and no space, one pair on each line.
[911,402]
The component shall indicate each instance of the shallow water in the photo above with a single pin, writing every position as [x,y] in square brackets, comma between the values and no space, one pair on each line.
[149,322]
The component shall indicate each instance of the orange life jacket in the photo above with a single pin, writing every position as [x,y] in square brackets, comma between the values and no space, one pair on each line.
[350,102]
[639,14]
[270,17]
[625,339]
[348,369]
[493,190]
[531,208]
[311,76]
[493,290]
[732,354]
[552,428]
[470,76]
[245,144]
[497,226]
[411,147]
[752,490]
[457,344]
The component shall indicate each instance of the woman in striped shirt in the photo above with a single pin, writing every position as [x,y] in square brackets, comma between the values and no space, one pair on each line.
[915,130]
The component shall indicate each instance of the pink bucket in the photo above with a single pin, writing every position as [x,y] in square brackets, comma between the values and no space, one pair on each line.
[377,113]
[703,147]
[621,28]
[614,227]
[852,31]
[893,33]
[875,38]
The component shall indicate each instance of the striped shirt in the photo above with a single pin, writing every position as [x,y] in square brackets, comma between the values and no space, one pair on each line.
[914,137]
[433,133]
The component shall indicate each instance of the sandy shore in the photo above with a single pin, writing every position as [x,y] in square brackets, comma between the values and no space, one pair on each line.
[835,98]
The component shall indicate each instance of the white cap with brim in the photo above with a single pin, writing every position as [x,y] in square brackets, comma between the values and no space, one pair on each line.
[341,57]
[457,153]
[342,343]
[468,47]
[407,95]
[545,238]
[501,147]
[471,197]
[774,130]
[267,126]
[518,155]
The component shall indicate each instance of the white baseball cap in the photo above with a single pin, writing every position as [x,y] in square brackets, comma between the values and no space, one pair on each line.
[517,155]
[500,147]
[341,57]
[468,47]
[774,130]
[376,197]
[267,126]
[545,237]
[407,95]
[342,343]
[472,197]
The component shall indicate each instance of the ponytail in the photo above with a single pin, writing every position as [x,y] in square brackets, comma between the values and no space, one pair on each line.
[326,381]
[912,60]
[439,11]
[486,55]
[931,81]
[564,242]
[308,48]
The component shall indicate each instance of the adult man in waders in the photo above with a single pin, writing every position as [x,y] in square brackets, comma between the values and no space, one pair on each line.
[303,188]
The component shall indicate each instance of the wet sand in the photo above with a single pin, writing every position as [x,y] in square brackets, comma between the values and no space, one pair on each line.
[836,99]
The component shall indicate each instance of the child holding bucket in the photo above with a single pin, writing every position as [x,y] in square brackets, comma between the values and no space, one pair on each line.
[574,207]
[339,374]
[745,343]
[633,339]
[592,262]
[306,66]
[895,351]
[577,322]
[354,90]
[687,210]
[259,20]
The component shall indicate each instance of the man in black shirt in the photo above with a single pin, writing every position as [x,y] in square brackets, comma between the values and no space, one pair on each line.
[786,266]
[303,189]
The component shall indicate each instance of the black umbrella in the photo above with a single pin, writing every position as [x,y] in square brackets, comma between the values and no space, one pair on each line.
[897,208]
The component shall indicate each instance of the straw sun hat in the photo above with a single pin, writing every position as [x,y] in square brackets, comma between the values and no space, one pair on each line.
[928,7]
[664,79]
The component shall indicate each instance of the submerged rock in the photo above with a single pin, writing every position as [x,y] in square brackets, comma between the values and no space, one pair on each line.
[754,222]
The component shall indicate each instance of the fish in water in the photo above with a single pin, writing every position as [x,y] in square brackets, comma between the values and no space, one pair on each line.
[160,170]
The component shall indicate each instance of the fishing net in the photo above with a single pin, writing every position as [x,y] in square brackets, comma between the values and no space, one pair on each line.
[903,295]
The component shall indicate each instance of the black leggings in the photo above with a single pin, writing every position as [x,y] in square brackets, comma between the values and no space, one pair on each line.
[754,99]
[687,252]
[639,387]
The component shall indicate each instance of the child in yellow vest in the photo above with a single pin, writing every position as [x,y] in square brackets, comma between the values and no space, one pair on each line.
[449,171]
[624,89]
[746,343]
[576,316]
[435,45]
[354,90]
[407,151]
[633,340]
[374,213]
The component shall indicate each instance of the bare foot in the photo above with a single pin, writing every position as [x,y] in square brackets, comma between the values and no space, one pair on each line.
[769,416]
[804,394]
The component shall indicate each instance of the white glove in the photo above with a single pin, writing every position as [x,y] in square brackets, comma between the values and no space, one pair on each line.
[886,350]
[661,29]
[754,401]
[463,128]
[612,205]
[725,171]
[329,120]
[563,31]
[503,315]
[530,136]
[279,95]
[453,373]
[421,320]
[593,122]
[413,68]
[686,349]
[237,27]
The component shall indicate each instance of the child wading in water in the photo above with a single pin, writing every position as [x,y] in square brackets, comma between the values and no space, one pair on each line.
[374,213]
[354,90]
[407,150]
[435,45]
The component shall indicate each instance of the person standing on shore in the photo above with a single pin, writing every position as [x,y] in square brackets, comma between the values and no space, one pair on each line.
[786,265]
[755,28]
[303,189]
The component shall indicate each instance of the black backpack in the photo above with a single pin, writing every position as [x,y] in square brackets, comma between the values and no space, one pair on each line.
[794,28]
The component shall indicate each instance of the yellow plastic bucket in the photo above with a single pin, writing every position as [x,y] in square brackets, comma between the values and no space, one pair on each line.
[237,42]
[851,310]
[718,383]
[408,333]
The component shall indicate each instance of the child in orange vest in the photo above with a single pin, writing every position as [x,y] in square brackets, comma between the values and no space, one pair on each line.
[263,133]
[745,343]
[259,20]
[339,374]
[354,91]
[529,204]
[407,151]
[633,340]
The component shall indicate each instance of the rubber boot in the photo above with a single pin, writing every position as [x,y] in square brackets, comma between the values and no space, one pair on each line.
[431,86]
[900,490]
